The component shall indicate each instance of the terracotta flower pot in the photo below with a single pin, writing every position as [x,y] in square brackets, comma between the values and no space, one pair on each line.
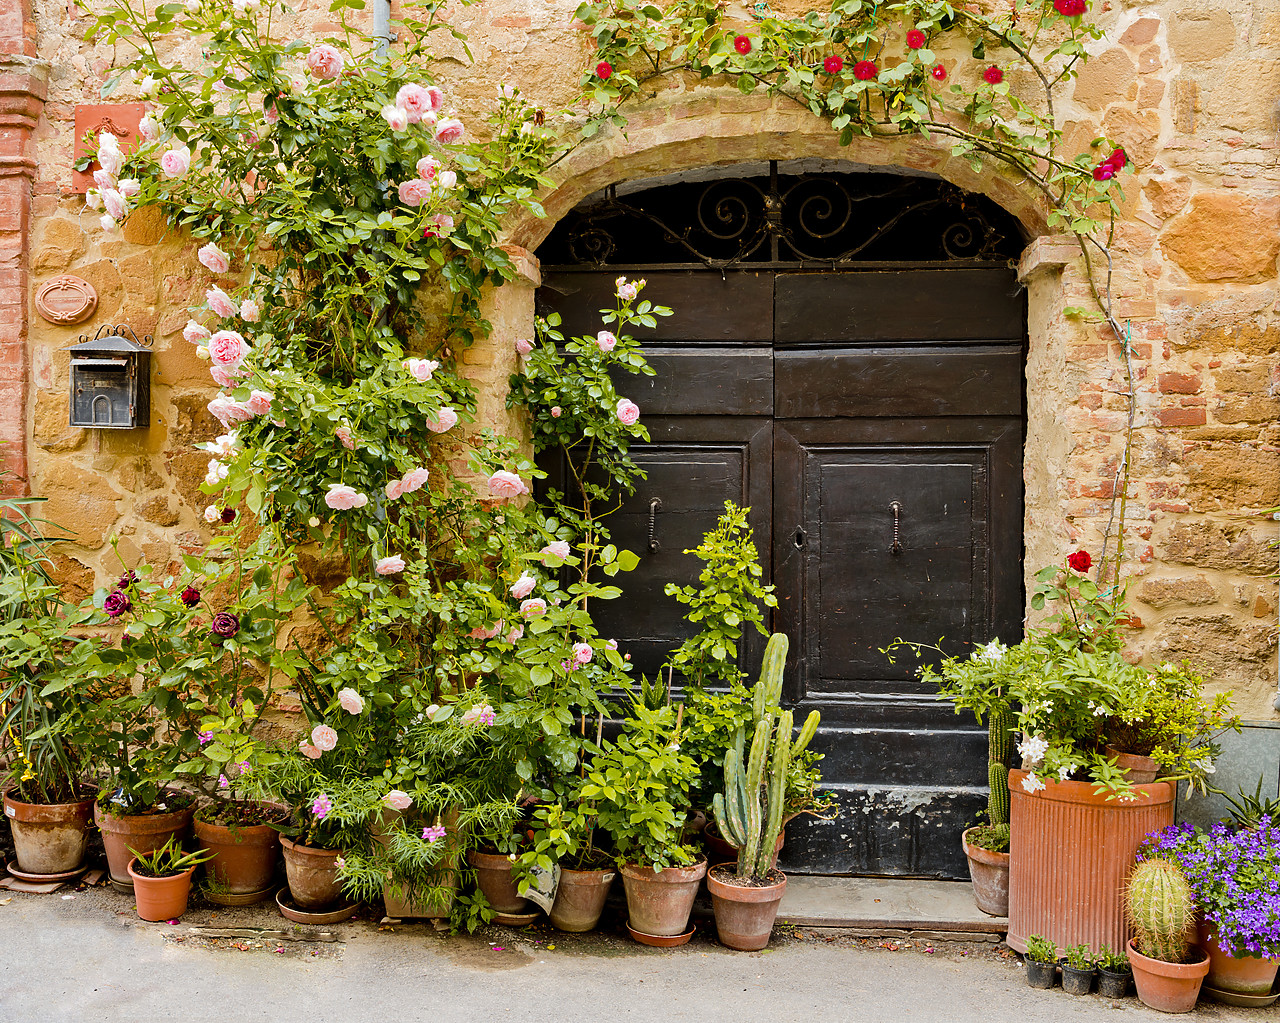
[144,833]
[1070,852]
[312,874]
[246,855]
[160,898]
[399,907]
[1138,770]
[1168,987]
[49,838]
[580,899]
[660,902]
[989,872]
[744,913]
[493,876]
[1243,975]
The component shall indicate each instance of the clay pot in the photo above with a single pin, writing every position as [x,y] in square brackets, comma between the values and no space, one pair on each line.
[1113,983]
[659,903]
[143,833]
[399,907]
[1168,987]
[1070,852]
[1243,975]
[246,855]
[312,874]
[49,838]
[160,898]
[720,851]
[580,899]
[1138,770]
[493,876]
[989,872]
[744,914]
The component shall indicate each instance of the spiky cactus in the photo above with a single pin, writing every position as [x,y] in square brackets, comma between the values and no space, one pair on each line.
[1160,907]
[999,747]
[749,811]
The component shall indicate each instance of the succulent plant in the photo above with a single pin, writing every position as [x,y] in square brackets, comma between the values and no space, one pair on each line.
[1160,906]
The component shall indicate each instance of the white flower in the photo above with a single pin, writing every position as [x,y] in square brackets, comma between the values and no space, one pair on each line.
[1033,748]
[993,651]
[212,514]
[1064,772]
[1032,784]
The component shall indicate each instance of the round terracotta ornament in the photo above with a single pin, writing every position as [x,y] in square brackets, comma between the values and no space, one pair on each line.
[66,299]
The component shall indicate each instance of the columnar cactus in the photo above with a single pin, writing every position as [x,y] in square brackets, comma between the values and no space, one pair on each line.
[999,746]
[749,811]
[1160,907]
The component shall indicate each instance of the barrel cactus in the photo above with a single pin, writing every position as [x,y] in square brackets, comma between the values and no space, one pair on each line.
[1160,907]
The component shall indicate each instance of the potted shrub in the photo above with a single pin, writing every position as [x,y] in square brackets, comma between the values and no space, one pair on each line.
[1079,968]
[1233,870]
[564,841]
[1167,971]
[243,837]
[1114,973]
[640,785]
[162,880]
[1041,962]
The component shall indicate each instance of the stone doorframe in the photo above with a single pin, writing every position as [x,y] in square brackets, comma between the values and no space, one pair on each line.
[684,133]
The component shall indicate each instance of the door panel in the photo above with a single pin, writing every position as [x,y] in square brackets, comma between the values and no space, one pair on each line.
[730,382]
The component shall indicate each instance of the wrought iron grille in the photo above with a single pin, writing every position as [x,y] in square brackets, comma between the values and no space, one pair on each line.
[780,220]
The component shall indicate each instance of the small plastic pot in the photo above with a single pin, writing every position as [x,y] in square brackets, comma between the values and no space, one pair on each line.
[1041,975]
[1113,983]
[1077,982]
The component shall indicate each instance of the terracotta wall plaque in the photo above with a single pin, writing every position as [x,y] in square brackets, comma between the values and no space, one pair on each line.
[66,299]
[121,119]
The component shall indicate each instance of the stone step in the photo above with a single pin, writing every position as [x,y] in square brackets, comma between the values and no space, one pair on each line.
[878,905]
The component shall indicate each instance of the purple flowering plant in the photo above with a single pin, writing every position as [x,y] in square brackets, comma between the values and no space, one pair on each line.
[1235,876]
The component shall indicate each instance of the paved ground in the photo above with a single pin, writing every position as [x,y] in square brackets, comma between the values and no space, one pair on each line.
[89,958]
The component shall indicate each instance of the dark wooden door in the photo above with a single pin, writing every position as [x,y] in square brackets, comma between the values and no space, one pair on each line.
[873,421]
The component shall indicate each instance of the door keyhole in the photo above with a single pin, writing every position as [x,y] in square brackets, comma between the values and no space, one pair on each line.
[799,538]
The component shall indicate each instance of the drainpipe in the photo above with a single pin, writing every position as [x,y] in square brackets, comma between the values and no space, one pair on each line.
[382,26]
[1276,702]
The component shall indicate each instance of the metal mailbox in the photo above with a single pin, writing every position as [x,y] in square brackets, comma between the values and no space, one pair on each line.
[111,380]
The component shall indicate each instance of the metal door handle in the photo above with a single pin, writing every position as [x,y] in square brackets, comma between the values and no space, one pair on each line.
[896,547]
[800,537]
[655,505]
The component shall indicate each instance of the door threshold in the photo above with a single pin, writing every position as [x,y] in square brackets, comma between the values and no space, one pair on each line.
[888,906]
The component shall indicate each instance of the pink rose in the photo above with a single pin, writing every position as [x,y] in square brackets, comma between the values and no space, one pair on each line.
[104,180]
[214,258]
[271,113]
[523,586]
[414,479]
[605,341]
[324,738]
[129,187]
[343,498]
[628,412]
[324,62]
[420,369]
[503,484]
[516,632]
[524,346]
[392,565]
[556,550]
[427,167]
[555,412]
[196,333]
[483,632]
[398,800]
[221,376]
[227,349]
[149,128]
[582,653]
[227,410]
[415,102]
[249,311]
[534,607]
[217,473]
[110,159]
[626,290]
[220,302]
[259,402]
[394,489]
[449,131]
[435,95]
[113,202]
[343,433]
[351,701]
[448,179]
[307,750]
[446,419]
[415,191]
[397,118]
[441,226]
[176,162]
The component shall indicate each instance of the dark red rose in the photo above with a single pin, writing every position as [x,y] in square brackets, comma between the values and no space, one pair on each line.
[603,70]
[742,44]
[1070,8]
[1080,561]
[117,603]
[190,597]
[939,72]
[225,625]
[915,39]
[993,75]
[228,515]
[1104,172]
[864,70]
[833,65]
[1118,159]
[127,580]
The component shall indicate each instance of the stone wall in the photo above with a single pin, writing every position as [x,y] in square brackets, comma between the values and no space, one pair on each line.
[1190,89]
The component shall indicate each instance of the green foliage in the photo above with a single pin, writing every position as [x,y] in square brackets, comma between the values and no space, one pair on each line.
[170,859]
[564,833]
[1160,907]
[1079,957]
[1116,962]
[1247,811]
[1041,950]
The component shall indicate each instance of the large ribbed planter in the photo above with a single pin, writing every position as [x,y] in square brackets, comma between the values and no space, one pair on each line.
[1070,852]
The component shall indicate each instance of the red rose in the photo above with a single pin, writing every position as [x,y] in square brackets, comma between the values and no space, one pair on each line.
[864,70]
[742,44]
[1118,159]
[603,70]
[190,597]
[833,65]
[939,72]
[1080,561]
[1070,8]
[993,75]
[1104,172]
[915,39]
